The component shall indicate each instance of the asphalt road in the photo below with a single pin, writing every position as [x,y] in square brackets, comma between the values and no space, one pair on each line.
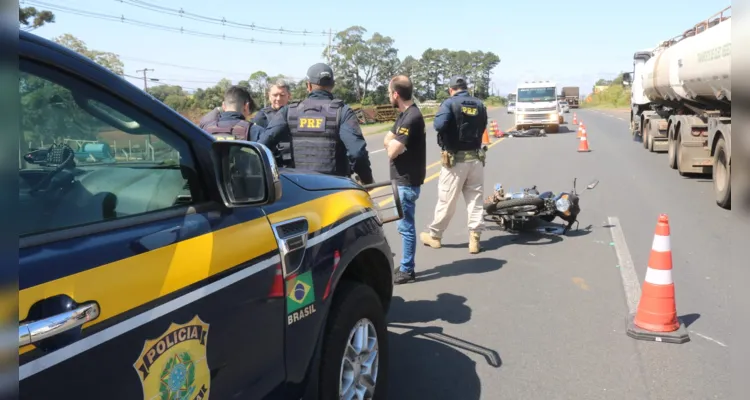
[538,316]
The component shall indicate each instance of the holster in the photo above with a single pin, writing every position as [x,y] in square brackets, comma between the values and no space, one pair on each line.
[482,154]
[447,159]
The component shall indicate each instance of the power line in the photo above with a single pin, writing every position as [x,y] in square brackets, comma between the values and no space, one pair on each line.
[219,21]
[150,25]
[145,78]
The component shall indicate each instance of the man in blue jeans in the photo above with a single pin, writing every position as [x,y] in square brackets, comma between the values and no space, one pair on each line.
[406,146]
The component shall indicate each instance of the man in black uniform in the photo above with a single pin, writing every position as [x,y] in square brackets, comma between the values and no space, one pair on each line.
[231,121]
[406,148]
[459,122]
[278,95]
[325,132]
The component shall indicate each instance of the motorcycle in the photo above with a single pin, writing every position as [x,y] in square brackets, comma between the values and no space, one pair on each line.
[513,210]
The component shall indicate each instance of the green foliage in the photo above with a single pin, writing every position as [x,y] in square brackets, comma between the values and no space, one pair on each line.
[615,96]
[363,67]
[31,18]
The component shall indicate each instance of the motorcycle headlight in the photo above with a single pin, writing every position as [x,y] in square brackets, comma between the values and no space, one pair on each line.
[562,204]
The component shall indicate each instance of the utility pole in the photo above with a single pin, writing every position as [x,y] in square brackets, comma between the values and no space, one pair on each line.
[330,41]
[145,88]
[145,78]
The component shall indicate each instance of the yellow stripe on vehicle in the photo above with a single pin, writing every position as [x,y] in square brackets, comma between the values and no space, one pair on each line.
[125,284]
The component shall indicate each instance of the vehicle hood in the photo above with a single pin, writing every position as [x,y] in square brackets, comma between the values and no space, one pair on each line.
[315,181]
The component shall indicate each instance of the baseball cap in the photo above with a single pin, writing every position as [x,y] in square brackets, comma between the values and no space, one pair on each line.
[320,74]
[457,80]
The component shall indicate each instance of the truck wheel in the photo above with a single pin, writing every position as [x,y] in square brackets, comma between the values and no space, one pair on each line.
[553,129]
[721,176]
[678,150]
[650,144]
[355,346]
[645,135]
[672,152]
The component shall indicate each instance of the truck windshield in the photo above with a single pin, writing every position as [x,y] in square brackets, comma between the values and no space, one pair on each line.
[536,94]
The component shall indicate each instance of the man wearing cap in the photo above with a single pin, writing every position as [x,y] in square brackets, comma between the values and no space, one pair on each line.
[325,132]
[459,122]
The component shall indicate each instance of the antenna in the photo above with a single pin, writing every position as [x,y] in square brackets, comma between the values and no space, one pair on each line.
[574,185]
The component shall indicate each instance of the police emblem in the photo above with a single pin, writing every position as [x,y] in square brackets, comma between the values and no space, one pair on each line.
[174,366]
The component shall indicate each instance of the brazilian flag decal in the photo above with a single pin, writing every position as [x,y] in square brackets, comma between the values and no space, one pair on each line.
[300,292]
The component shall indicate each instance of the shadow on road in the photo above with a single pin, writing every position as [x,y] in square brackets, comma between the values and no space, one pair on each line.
[448,307]
[461,267]
[688,319]
[426,363]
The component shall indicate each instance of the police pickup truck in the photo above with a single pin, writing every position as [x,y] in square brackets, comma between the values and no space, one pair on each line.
[158,262]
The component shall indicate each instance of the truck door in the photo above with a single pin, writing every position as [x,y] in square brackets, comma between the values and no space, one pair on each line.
[132,284]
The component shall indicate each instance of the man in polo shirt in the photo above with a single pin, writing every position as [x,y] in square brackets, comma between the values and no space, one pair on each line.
[406,148]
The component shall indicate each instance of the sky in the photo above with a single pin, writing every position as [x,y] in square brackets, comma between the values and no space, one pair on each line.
[573,43]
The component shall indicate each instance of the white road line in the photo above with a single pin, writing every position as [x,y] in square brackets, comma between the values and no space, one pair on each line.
[710,339]
[621,118]
[377,151]
[630,280]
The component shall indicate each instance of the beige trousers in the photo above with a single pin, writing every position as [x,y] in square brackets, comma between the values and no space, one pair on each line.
[467,178]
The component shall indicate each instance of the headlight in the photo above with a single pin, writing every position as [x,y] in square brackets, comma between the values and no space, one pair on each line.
[553,116]
[562,204]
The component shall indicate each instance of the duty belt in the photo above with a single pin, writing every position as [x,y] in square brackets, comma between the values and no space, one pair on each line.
[465,156]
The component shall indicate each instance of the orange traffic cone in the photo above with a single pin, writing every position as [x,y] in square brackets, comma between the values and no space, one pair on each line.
[656,316]
[581,130]
[583,147]
[485,137]
[575,119]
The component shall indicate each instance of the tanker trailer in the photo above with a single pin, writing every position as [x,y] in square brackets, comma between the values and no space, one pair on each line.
[687,83]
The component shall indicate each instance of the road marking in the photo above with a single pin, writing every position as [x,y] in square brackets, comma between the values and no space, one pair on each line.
[710,339]
[377,151]
[621,118]
[581,283]
[436,174]
[630,280]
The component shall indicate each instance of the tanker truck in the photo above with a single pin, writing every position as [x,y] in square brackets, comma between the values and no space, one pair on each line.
[681,101]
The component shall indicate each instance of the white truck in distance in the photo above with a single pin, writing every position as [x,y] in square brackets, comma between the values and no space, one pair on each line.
[536,106]
[681,101]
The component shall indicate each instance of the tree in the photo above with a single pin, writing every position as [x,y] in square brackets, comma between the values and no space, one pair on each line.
[31,18]
[362,62]
[258,84]
[108,60]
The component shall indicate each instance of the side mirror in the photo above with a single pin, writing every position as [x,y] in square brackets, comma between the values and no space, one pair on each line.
[246,173]
[627,78]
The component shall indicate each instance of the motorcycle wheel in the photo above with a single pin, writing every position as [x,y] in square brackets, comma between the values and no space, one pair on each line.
[513,203]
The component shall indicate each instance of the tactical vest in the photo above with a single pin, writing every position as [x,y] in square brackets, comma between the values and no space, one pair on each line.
[467,133]
[314,126]
[237,129]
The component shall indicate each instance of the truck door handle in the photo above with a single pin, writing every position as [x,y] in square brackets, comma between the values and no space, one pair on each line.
[35,331]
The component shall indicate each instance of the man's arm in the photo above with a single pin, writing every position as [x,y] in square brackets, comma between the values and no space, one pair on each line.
[260,118]
[212,116]
[395,144]
[277,129]
[443,116]
[356,145]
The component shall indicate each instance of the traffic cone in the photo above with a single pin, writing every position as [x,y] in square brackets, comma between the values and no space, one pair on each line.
[485,137]
[583,146]
[575,119]
[656,316]
[581,130]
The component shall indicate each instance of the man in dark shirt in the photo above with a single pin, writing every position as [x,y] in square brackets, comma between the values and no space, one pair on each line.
[407,149]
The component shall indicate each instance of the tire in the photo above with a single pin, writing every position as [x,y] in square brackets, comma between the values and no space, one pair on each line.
[672,151]
[721,176]
[645,135]
[553,129]
[352,303]
[512,203]
[678,153]
[651,144]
